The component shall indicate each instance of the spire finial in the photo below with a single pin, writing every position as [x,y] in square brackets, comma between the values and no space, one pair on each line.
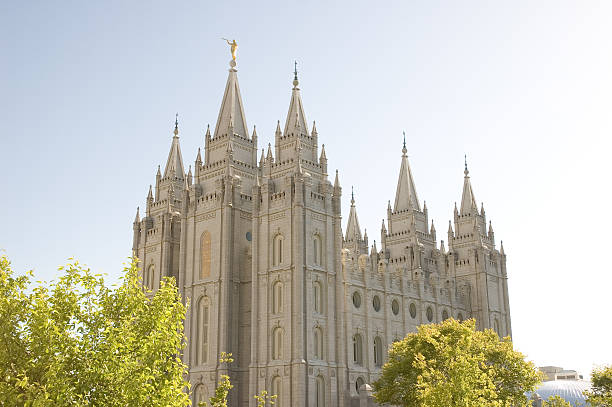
[404,150]
[295,77]
[352,196]
[176,125]
[465,171]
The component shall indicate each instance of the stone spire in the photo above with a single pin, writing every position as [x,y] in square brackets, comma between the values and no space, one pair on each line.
[296,119]
[174,165]
[405,195]
[231,114]
[468,200]
[353,231]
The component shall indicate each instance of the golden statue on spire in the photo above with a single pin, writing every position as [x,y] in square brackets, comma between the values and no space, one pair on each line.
[234,47]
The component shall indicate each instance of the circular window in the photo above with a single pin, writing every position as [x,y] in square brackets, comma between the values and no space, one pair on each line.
[412,310]
[444,315]
[376,303]
[395,307]
[248,236]
[356,299]
[460,317]
[358,383]
[429,313]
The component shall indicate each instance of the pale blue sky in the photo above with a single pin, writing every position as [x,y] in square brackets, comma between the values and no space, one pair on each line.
[88,93]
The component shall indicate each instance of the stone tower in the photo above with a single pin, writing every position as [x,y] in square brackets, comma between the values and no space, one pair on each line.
[257,249]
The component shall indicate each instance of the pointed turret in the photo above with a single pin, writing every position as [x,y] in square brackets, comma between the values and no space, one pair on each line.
[174,164]
[296,119]
[405,195]
[451,234]
[323,160]
[149,200]
[353,231]
[432,230]
[231,114]
[468,200]
[314,132]
[336,181]
[262,159]
[137,218]
[189,177]
[501,248]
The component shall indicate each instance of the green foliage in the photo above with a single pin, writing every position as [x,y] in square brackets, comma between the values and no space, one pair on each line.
[556,401]
[75,342]
[452,364]
[601,387]
[224,386]
[263,398]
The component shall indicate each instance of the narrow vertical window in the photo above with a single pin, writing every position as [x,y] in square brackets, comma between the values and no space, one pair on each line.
[277,297]
[318,343]
[316,289]
[358,349]
[277,250]
[150,276]
[277,343]
[202,332]
[317,250]
[276,390]
[205,255]
[378,351]
[320,392]
[200,395]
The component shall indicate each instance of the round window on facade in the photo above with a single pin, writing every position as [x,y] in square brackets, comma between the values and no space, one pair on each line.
[429,313]
[358,383]
[412,310]
[376,303]
[356,299]
[444,315]
[395,307]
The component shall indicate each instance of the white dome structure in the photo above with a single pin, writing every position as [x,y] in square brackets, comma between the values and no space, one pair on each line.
[572,391]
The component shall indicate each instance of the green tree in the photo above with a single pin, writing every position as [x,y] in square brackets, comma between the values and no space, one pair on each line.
[556,401]
[453,364]
[600,394]
[75,342]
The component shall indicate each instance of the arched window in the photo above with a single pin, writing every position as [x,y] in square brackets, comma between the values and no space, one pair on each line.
[317,299]
[318,343]
[277,343]
[444,315]
[320,392]
[358,383]
[317,250]
[378,355]
[276,390]
[277,297]
[149,277]
[357,349]
[202,331]
[460,317]
[200,395]
[205,255]
[496,327]
[277,250]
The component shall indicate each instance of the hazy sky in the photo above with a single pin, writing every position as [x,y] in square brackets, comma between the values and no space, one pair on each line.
[88,93]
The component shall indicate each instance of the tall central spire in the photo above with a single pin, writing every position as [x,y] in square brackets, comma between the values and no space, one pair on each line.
[296,119]
[468,200]
[174,164]
[405,195]
[231,114]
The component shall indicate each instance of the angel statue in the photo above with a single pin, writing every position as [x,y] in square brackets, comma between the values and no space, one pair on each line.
[233,46]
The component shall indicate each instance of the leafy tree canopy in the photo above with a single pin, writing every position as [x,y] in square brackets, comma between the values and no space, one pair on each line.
[601,387]
[75,342]
[556,401]
[453,364]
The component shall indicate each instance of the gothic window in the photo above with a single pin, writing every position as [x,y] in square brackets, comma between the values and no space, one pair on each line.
[429,313]
[202,331]
[496,327]
[317,298]
[356,299]
[200,395]
[277,343]
[276,390]
[318,343]
[357,349]
[277,297]
[413,310]
[376,303]
[444,315]
[277,250]
[378,354]
[358,383]
[317,250]
[149,276]
[205,255]
[320,392]
[460,317]
[395,307]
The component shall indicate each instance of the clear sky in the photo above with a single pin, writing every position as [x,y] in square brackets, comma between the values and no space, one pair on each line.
[88,93]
